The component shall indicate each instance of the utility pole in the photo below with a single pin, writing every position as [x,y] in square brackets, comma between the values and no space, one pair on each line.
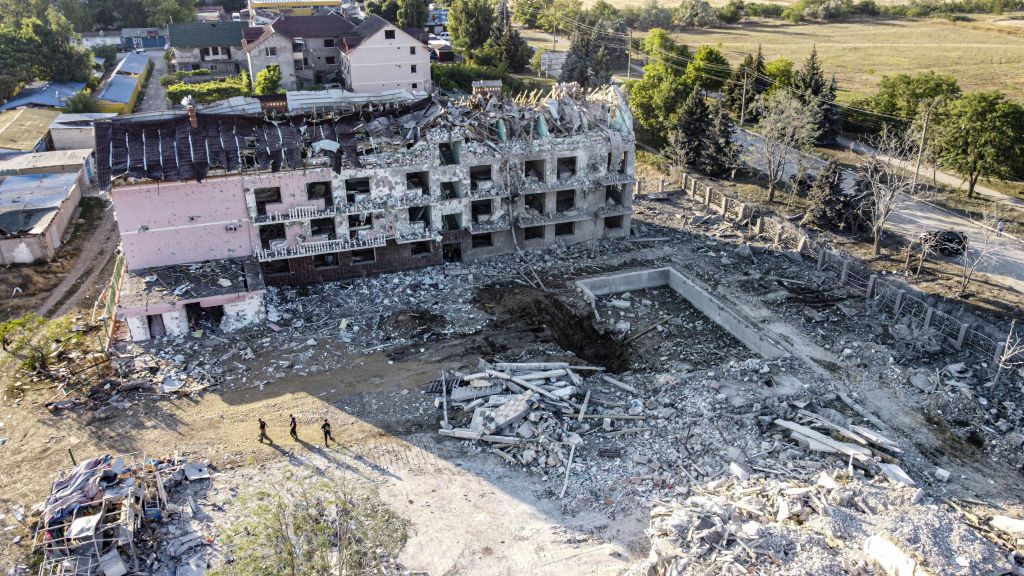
[554,39]
[920,148]
[743,100]
[629,54]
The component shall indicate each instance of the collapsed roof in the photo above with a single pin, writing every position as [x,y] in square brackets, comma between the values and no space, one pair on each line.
[172,146]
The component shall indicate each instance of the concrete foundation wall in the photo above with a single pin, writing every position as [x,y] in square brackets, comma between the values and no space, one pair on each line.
[731,320]
[244,313]
[175,323]
[138,327]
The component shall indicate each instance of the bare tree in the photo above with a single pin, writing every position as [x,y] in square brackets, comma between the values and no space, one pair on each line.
[787,127]
[889,187]
[978,253]
[1012,355]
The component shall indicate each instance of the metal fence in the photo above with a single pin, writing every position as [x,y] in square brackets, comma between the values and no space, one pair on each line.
[887,296]
[109,299]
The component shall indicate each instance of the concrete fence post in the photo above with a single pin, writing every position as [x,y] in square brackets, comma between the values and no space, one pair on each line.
[693,187]
[871,285]
[725,205]
[899,303]
[682,182]
[821,260]
[844,273]
[639,186]
[707,195]
[961,337]
[778,237]
[928,317]
[661,185]
[997,359]
[801,244]
[759,227]
[743,212]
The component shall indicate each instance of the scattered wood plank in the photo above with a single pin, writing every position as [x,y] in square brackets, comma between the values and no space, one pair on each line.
[852,450]
[619,384]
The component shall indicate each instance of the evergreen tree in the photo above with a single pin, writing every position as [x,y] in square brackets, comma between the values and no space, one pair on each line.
[587,63]
[470,23]
[745,84]
[505,47]
[720,154]
[827,202]
[412,14]
[688,139]
[386,9]
[811,87]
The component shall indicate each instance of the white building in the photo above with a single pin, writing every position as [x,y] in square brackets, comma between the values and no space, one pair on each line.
[379,56]
[307,49]
[75,131]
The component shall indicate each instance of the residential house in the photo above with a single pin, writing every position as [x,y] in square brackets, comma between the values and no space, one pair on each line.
[35,210]
[80,162]
[75,131]
[44,94]
[101,38]
[329,190]
[143,38]
[379,56]
[216,46]
[305,48]
[214,13]
[437,21]
[24,130]
[294,7]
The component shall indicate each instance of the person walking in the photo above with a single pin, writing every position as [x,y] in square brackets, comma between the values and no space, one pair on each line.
[326,427]
[263,432]
[999,228]
[291,427]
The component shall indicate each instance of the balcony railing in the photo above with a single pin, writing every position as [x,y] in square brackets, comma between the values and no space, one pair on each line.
[612,178]
[296,213]
[496,225]
[526,220]
[324,247]
[416,234]
[614,210]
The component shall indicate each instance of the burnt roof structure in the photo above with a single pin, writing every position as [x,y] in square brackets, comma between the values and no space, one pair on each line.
[175,146]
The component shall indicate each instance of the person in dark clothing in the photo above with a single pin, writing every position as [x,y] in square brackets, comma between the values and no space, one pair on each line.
[291,427]
[263,432]
[326,427]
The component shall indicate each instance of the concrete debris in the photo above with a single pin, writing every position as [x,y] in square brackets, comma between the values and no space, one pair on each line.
[840,526]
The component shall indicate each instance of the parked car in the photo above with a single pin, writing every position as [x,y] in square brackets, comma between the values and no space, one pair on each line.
[946,242]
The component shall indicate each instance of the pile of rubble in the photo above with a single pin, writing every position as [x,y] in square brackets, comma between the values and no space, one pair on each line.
[534,413]
[840,524]
[110,516]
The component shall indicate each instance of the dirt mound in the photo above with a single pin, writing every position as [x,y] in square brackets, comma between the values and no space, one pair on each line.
[408,324]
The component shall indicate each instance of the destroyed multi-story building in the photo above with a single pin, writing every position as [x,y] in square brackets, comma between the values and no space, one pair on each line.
[214,204]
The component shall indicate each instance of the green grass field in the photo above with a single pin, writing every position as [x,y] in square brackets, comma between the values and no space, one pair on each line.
[985,54]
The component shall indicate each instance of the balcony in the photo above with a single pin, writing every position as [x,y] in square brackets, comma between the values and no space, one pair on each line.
[295,214]
[533,218]
[490,225]
[323,247]
[487,191]
[416,233]
[613,178]
[614,210]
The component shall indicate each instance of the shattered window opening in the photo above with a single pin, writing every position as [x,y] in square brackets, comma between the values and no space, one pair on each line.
[420,214]
[480,177]
[483,240]
[449,152]
[534,169]
[421,248]
[481,210]
[358,222]
[534,202]
[451,222]
[565,229]
[613,222]
[325,260]
[566,167]
[418,181]
[613,195]
[320,191]
[450,190]
[565,200]
[266,196]
[367,256]
[272,236]
[276,267]
[356,188]
[323,227]
[534,233]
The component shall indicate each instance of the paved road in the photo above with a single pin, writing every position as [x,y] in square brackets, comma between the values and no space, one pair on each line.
[1005,266]
[951,180]
[155,99]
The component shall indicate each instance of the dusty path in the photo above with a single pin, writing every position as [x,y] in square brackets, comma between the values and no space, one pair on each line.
[96,251]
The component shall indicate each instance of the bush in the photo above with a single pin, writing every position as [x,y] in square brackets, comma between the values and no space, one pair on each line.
[81,103]
[763,10]
[461,76]
[179,76]
[108,53]
[212,91]
[732,12]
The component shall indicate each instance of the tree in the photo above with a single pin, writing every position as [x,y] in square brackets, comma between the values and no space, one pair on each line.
[889,187]
[268,81]
[527,12]
[647,16]
[981,135]
[36,341]
[1012,354]
[688,139]
[708,70]
[386,9]
[164,12]
[827,208]
[81,103]
[313,527]
[746,83]
[656,98]
[904,96]
[556,12]
[470,22]
[412,13]
[37,42]
[505,49]
[721,154]
[696,14]
[780,71]
[786,125]
[809,84]
[586,63]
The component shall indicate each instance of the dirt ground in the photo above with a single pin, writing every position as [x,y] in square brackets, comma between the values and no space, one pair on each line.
[471,513]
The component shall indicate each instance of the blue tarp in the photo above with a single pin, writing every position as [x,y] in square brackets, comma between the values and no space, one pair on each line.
[50,94]
[133,64]
[119,89]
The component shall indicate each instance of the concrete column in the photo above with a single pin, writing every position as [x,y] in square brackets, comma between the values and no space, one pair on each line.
[844,274]
[928,317]
[899,302]
[725,205]
[138,327]
[778,237]
[693,186]
[175,323]
[959,344]
[871,285]
[707,195]
[639,186]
